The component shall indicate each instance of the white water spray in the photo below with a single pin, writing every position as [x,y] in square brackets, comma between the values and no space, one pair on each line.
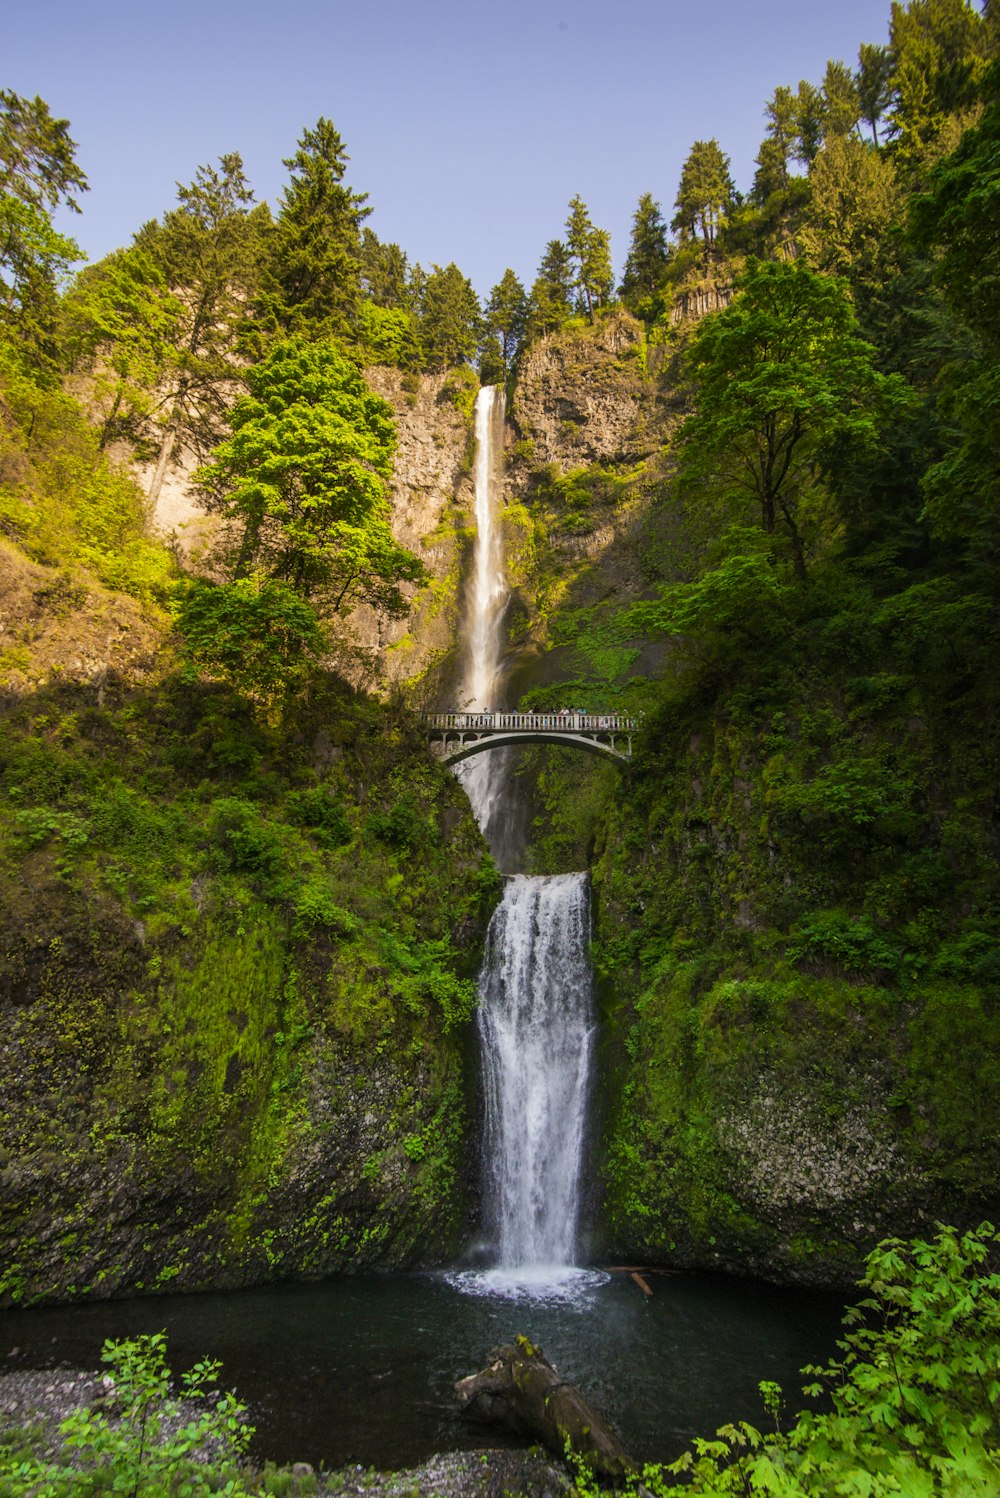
[536,1021]
[484,777]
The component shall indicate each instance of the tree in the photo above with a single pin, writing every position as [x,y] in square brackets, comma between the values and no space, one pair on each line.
[841,102]
[705,194]
[810,122]
[776,150]
[779,376]
[120,321]
[958,215]
[590,249]
[551,298]
[384,273]
[304,478]
[505,317]
[874,85]
[449,319]
[38,171]
[311,283]
[856,200]
[208,250]
[938,50]
[648,255]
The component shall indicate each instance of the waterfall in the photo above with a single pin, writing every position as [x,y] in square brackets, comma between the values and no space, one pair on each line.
[536,1023]
[536,1008]
[485,776]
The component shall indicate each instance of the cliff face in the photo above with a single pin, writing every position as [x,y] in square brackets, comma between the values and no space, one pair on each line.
[236,975]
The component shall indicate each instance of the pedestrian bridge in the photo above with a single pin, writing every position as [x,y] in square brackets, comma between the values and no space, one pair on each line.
[457,736]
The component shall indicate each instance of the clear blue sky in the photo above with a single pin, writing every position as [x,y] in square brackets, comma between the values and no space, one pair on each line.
[469,124]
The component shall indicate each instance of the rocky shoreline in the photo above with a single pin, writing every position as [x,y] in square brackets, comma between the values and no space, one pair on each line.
[38,1402]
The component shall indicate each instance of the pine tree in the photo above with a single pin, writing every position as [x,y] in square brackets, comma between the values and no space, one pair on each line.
[841,102]
[874,84]
[551,299]
[706,192]
[649,252]
[384,273]
[312,276]
[590,249]
[939,50]
[505,317]
[449,319]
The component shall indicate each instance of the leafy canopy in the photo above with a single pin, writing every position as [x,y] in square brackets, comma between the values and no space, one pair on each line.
[304,478]
[779,376]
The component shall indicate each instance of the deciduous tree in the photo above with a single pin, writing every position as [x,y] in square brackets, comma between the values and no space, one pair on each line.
[778,376]
[303,478]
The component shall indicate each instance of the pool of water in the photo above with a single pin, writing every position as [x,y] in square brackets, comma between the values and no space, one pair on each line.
[361,1369]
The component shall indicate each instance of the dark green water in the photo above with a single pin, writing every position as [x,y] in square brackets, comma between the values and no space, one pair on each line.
[361,1369]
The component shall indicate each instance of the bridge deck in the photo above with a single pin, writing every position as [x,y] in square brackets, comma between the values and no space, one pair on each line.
[457,736]
[531,722]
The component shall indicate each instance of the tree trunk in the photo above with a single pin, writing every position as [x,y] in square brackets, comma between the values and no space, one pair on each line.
[521,1391]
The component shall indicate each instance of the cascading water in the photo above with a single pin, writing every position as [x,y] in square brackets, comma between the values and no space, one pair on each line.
[536,1008]
[536,1022]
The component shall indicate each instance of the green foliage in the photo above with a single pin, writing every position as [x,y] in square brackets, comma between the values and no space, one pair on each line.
[449,319]
[304,478]
[590,254]
[311,272]
[150,1442]
[706,193]
[63,502]
[37,173]
[780,376]
[913,1400]
[256,634]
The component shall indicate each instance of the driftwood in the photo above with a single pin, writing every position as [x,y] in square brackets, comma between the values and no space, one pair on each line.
[521,1391]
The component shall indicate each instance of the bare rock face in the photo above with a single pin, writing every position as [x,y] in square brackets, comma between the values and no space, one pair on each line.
[521,1391]
[583,399]
[431,493]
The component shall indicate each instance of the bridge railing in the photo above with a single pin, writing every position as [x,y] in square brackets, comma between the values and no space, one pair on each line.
[567,722]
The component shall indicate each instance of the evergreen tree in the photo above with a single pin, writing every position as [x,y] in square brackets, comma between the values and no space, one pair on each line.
[208,250]
[939,49]
[648,255]
[874,84]
[449,319]
[778,145]
[384,273]
[590,251]
[311,283]
[810,122]
[706,193]
[38,172]
[841,101]
[505,318]
[551,298]
[855,203]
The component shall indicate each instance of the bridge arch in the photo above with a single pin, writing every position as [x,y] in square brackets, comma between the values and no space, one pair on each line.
[457,736]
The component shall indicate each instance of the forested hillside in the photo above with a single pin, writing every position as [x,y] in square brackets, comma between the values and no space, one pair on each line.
[750,493]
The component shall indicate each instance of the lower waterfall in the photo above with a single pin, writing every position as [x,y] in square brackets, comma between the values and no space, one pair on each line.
[536,1025]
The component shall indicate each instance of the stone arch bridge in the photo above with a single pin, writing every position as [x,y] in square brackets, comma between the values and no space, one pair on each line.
[457,736]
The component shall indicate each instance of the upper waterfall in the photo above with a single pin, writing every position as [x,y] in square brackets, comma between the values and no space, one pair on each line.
[481,690]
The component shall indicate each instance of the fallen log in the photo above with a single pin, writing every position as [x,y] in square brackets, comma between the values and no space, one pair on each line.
[521,1391]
